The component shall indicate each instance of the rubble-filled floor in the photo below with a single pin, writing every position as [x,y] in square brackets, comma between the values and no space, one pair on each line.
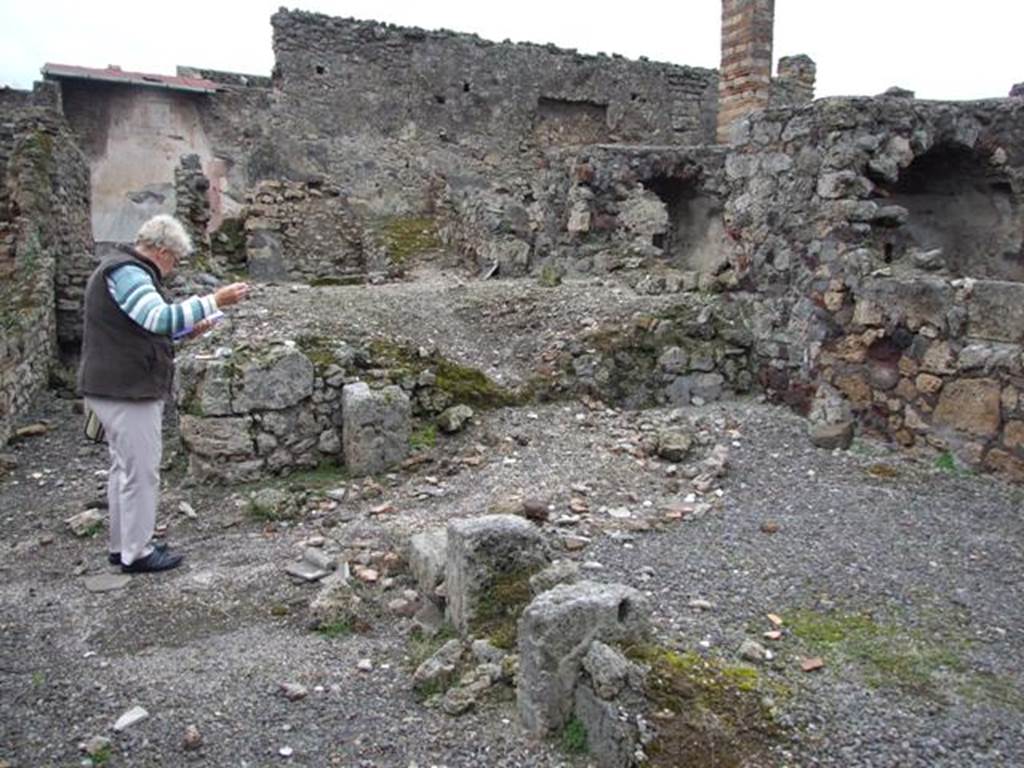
[899,572]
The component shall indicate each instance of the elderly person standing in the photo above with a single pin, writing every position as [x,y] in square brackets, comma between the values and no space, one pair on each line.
[126,374]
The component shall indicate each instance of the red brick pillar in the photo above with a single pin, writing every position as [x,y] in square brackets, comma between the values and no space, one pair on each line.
[745,79]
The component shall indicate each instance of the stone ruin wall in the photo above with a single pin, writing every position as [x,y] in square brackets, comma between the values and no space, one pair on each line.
[857,256]
[45,246]
[414,124]
[888,235]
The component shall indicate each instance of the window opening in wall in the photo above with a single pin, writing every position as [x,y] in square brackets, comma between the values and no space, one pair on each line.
[320,69]
[695,239]
[439,98]
[963,207]
[465,87]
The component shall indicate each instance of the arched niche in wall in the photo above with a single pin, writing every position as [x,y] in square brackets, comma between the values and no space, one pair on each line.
[963,206]
[695,237]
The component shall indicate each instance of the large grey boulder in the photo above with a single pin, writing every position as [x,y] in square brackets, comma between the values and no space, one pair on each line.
[556,631]
[375,428]
[428,557]
[271,379]
[490,562]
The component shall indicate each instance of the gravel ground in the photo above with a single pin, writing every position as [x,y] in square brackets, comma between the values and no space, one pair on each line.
[927,562]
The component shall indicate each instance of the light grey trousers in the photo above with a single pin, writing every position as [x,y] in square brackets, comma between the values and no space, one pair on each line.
[133,430]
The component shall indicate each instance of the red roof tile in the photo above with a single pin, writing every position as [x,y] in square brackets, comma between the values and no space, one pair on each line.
[116,75]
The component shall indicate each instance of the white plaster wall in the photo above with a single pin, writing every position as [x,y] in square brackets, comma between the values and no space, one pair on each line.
[144,134]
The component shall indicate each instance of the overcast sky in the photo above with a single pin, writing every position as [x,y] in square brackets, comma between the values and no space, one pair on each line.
[942,50]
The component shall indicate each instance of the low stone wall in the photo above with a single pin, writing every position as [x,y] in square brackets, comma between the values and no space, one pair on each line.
[697,352]
[276,408]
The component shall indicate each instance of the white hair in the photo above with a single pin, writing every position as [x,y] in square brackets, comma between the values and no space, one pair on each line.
[164,231]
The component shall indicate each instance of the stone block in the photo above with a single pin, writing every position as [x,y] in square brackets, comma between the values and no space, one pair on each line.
[921,300]
[928,384]
[1006,464]
[708,386]
[970,405]
[272,379]
[454,419]
[843,184]
[230,436]
[996,311]
[555,633]
[559,572]
[1013,435]
[428,557]
[830,436]
[939,358]
[511,255]
[610,704]
[674,445]
[488,569]
[375,427]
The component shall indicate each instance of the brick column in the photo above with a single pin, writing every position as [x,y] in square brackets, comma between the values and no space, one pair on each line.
[745,79]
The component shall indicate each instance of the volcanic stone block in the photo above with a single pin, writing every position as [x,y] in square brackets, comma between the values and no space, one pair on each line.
[610,704]
[490,562]
[272,379]
[970,405]
[218,437]
[428,557]
[556,632]
[375,428]
[996,311]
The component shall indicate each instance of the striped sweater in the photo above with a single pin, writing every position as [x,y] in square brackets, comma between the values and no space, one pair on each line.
[134,292]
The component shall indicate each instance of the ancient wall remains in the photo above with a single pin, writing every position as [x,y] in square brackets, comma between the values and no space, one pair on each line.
[134,137]
[304,232]
[45,246]
[347,77]
[659,207]
[894,231]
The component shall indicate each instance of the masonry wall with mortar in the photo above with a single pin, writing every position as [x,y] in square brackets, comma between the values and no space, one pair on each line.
[889,231]
[45,247]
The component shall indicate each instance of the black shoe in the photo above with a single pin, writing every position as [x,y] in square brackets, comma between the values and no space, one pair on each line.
[157,560]
[114,558]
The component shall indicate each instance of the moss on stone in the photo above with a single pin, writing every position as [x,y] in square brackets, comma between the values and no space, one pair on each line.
[422,646]
[471,387]
[463,384]
[408,236]
[322,352]
[497,612]
[707,711]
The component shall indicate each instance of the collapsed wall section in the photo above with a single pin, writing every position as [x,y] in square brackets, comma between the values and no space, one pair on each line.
[45,247]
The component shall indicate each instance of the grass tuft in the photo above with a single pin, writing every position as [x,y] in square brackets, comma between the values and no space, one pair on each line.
[574,737]
[423,438]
